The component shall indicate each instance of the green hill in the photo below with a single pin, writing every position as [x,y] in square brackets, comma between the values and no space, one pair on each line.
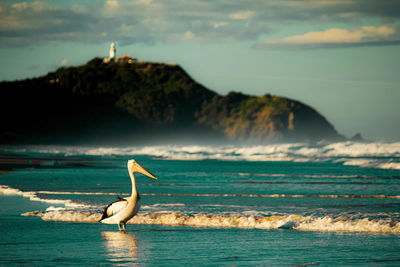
[121,103]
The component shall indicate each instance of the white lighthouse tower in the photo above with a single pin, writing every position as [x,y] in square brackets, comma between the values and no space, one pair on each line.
[113,51]
[113,54]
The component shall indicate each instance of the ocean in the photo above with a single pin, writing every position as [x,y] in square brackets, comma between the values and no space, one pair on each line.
[325,204]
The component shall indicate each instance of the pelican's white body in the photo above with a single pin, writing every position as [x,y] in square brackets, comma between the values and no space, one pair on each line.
[123,210]
[119,212]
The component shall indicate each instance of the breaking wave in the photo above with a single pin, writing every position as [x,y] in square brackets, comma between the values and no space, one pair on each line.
[268,196]
[372,155]
[32,195]
[371,163]
[6,190]
[296,222]
[305,175]
[77,212]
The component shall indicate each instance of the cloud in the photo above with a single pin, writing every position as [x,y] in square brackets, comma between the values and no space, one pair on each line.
[127,22]
[185,37]
[317,3]
[189,35]
[150,21]
[367,35]
[219,24]
[242,15]
[111,7]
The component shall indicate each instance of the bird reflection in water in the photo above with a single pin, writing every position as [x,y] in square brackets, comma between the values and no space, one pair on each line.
[122,247]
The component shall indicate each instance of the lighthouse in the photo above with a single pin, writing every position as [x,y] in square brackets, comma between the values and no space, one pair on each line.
[113,54]
[113,57]
[113,51]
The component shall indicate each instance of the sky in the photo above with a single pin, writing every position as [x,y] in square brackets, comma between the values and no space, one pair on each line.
[342,57]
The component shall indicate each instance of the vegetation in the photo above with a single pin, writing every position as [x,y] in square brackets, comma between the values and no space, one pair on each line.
[97,101]
[264,118]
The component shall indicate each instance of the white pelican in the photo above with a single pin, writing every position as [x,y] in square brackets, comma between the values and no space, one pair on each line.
[120,211]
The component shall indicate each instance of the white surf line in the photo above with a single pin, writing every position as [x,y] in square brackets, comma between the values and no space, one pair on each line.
[221,195]
[32,195]
[305,175]
[80,193]
[269,196]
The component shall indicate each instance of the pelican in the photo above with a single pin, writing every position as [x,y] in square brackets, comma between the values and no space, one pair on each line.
[120,211]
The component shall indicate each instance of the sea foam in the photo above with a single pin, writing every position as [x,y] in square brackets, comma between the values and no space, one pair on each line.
[292,221]
[32,195]
[6,190]
[372,155]
[75,212]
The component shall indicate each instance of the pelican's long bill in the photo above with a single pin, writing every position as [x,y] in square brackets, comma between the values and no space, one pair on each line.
[138,168]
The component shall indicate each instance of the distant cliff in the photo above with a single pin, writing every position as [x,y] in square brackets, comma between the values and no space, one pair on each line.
[121,103]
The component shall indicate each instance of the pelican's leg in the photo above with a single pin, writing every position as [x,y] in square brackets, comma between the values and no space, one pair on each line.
[119,226]
[124,227]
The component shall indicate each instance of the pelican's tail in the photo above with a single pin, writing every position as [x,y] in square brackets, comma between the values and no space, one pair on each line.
[104,215]
[104,220]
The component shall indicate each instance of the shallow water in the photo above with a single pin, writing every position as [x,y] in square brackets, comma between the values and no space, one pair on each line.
[208,210]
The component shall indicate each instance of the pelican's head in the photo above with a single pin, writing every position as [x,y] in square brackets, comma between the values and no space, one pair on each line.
[133,166]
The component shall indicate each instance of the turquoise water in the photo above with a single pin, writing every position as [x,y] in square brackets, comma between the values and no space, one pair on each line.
[280,206]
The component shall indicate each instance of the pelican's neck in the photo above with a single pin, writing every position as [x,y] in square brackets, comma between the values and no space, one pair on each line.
[134,191]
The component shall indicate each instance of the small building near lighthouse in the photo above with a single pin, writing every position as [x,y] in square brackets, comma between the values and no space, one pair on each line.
[113,56]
